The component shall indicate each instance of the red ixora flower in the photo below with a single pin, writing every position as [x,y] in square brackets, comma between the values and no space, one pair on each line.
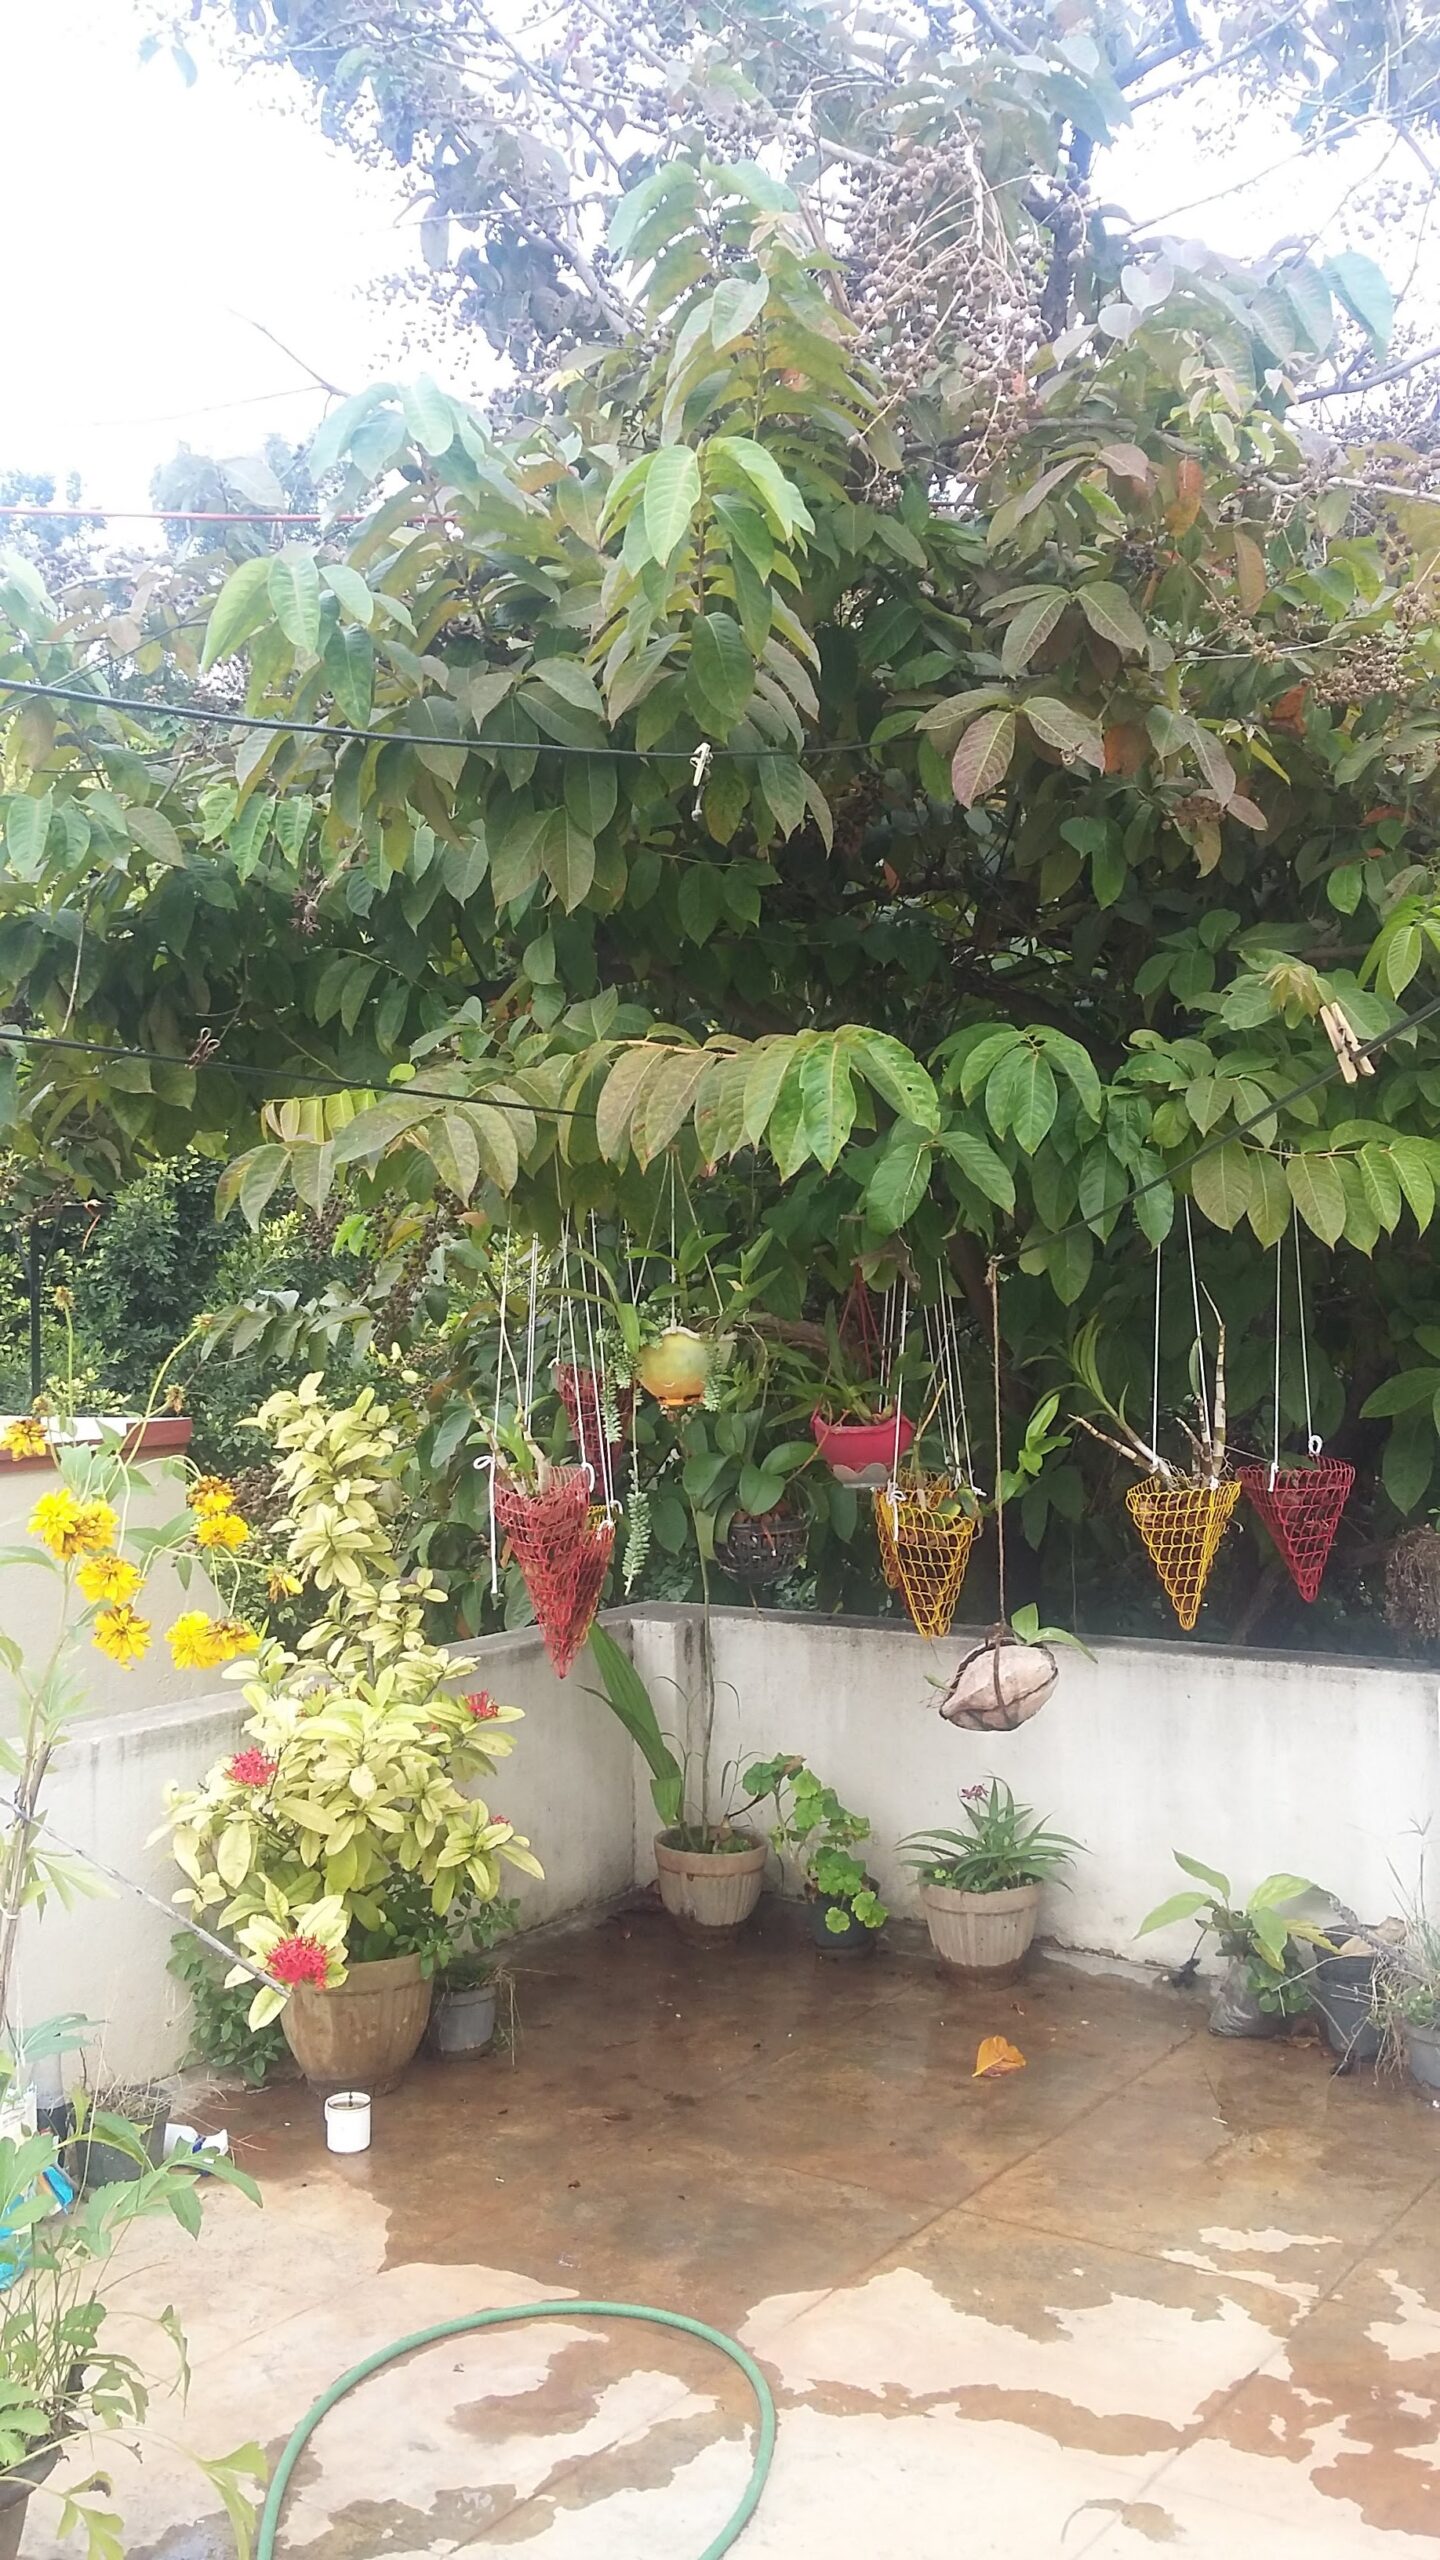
[252,1769]
[300,1960]
[482,1706]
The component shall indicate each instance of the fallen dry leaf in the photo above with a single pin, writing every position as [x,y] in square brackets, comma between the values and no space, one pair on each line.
[997,2054]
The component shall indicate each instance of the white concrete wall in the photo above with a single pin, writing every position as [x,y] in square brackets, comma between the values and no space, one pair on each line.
[1250,1762]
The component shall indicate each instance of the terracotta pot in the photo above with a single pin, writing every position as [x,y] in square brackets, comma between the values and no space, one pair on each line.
[675,1370]
[985,1935]
[362,2034]
[710,1893]
[863,1454]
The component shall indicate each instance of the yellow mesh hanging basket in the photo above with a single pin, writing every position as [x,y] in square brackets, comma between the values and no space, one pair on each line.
[1182,1526]
[923,1553]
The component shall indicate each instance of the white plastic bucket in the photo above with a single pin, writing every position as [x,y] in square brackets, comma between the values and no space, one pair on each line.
[347,2120]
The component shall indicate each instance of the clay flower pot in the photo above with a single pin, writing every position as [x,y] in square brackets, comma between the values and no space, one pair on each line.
[709,1893]
[862,1454]
[362,2034]
[675,1369]
[984,1935]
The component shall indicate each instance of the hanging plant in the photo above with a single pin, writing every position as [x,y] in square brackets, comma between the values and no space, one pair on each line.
[1181,1513]
[762,1549]
[1301,1502]
[599,1415]
[674,1368]
[925,1532]
[863,1454]
[562,1542]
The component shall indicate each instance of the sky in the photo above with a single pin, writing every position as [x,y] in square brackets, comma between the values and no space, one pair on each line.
[162,222]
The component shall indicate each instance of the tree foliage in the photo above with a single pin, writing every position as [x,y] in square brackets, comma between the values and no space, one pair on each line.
[923,800]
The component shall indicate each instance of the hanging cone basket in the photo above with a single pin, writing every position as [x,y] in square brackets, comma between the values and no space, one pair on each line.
[1301,1508]
[1182,1526]
[924,1556]
[562,1543]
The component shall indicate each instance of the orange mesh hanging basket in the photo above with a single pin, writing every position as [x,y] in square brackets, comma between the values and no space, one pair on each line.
[1182,1526]
[562,1543]
[923,1555]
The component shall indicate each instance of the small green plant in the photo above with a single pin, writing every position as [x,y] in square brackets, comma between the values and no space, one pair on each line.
[1004,1846]
[469,1958]
[822,1835]
[220,2032]
[1259,1933]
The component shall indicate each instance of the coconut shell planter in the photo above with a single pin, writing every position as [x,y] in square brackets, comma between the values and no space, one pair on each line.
[1000,1684]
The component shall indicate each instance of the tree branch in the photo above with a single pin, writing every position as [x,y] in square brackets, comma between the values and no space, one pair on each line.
[1372,382]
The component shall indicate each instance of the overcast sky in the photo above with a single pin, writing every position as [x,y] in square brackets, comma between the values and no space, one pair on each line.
[159,221]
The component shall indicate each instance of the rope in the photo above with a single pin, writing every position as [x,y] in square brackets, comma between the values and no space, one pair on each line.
[1201,1390]
[1314,1444]
[899,1355]
[531,1323]
[1279,1277]
[495,1436]
[1155,1378]
[993,1277]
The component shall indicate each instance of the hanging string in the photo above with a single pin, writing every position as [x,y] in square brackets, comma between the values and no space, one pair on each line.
[495,1435]
[899,1356]
[674,1253]
[993,1277]
[577,1369]
[532,1324]
[1279,1292]
[595,1345]
[1155,1377]
[1313,1442]
[1201,1389]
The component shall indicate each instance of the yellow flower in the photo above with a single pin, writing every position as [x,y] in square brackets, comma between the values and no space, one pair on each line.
[210,1495]
[95,1528]
[280,1585]
[122,1634]
[221,1529]
[56,1521]
[231,1637]
[189,1641]
[24,1438]
[108,1578]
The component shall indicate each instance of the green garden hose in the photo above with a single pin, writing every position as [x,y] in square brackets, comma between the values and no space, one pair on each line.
[735,2523]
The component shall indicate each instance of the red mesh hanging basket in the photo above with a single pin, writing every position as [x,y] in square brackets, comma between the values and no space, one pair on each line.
[1182,1526]
[1301,1508]
[579,1392]
[562,1543]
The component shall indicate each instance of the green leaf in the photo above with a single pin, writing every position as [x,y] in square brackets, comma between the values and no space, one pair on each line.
[152,831]
[1316,1190]
[1270,1204]
[1381,1185]
[980,1165]
[567,859]
[592,791]
[1409,1460]
[735,307]
[1021,1095]
[672,493]
[294,587]
[571,682]
[701,900]
[982,759]
[1074,1063]
[1411,1163]
[241,606]
[349,663]
[1365,293]
[351,591]
[1181,1906]
[1031,628]
[759,471]
[1221,1185]
[1112,617]
[429,416]
[627,1696]
[1060,725]
[886,1064]
[900,1179]
[1219,1884]
[1402,1394]
[828,1101]
[722,673]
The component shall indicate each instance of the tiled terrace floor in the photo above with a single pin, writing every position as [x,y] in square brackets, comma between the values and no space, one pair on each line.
[1154,2290]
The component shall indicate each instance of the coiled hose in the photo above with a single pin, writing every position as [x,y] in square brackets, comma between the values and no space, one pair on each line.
[734,2524]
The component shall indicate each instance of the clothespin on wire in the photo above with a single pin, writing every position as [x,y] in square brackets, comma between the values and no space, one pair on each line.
[698,770]
[1349,1053]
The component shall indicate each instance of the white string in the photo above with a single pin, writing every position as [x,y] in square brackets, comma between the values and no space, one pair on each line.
[1155,1379]
[595,1345]
[899,1355]
[1279,1278]
[495,1436]
[1313,1442]
[1203,1393]
[580,1377]
[532,1322]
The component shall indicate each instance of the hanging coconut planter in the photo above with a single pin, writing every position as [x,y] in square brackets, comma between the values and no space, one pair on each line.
[862,1455]
[1301,1507]
[1000,1683]
[925,1541]
[562,1542]
[762,1548]
[675,1368]
[1182,1526]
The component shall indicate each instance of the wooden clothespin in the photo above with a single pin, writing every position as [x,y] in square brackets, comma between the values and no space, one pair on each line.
[1349,1053]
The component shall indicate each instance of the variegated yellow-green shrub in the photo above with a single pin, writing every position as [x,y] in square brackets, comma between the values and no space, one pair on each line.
[347,1827]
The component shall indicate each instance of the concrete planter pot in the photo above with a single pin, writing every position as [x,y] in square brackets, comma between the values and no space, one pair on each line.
[362,2034]
[709,1893]
[984,1935]
[1422,2052]
[464,2021]
[15,2492]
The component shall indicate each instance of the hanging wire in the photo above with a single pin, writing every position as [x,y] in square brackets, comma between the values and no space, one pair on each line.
[595,1345]
[504,1346]
[1202,1390]
[1279,1288]
[531,1329]
[1155,1374]
[1314,1444]
[899,1356]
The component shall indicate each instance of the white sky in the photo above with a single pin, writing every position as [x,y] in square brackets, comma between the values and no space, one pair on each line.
[160,221]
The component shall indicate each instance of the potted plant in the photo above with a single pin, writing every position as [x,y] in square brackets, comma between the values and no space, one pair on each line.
[858,1427]
[709,1867]
[340,1844]
[93,2161]
[822,1835]
[61,2379]
[1268,1979]
[980,1888]
[469,1979]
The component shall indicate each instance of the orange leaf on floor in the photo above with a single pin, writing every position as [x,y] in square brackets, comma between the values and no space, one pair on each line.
[997,2054]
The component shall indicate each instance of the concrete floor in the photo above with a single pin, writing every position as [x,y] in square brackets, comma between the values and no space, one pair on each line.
[1153,2290]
